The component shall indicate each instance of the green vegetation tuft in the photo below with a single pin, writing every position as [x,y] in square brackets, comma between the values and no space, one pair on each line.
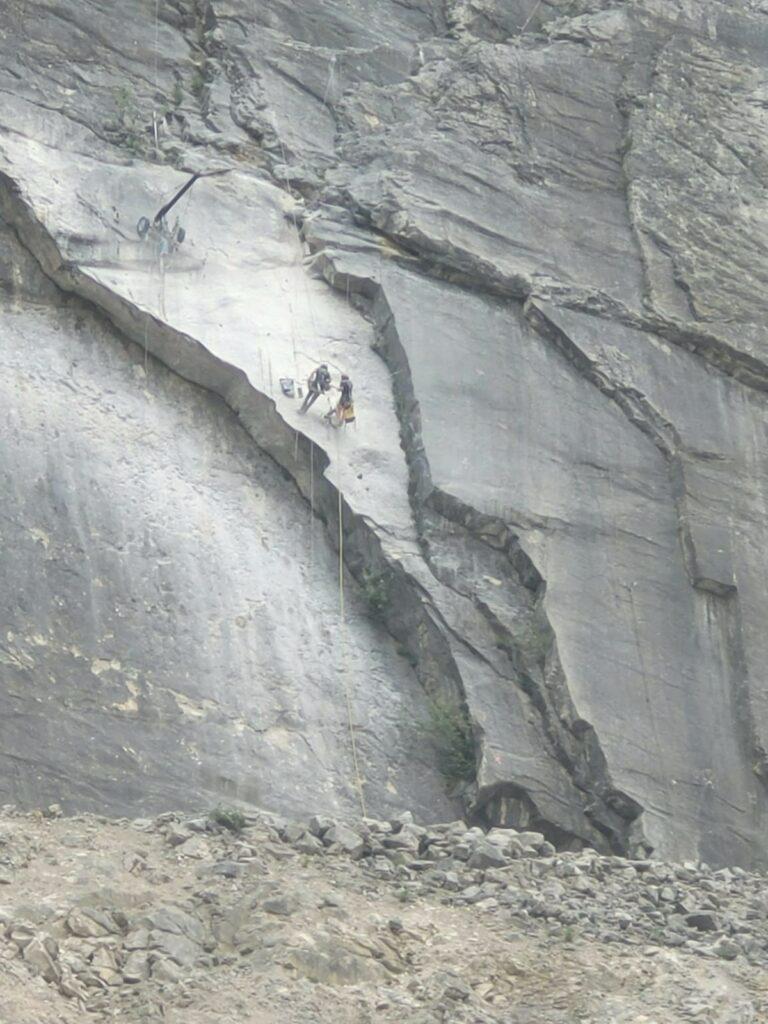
[198,83]
[129,120]
[229,818]
[450,733]
[376,587]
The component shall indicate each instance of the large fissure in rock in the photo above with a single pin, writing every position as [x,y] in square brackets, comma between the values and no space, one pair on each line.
[466,271]
[521,633]
[720,595]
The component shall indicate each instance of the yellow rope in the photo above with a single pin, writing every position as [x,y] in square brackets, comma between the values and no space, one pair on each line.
[353,741]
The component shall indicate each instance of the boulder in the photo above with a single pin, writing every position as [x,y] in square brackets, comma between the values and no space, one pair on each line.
[487,855]
[136,967]
[40,955]
[319,825]
[703,921]
[343,839]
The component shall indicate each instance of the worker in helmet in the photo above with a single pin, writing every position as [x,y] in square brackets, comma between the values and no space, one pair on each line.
[318,382]
[345,410]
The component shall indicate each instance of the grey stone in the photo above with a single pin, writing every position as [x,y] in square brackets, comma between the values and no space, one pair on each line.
[703,921]
[530,840]
[377,827]
[402,819]
[486,855]
[136,967]
[173,920]
[104,966]
[175,835]
[347,841]
[196,824]
[224,869]
[137,940]
[178,948]
[21,934]
[726,948]
[293,832]
[40,957]
[401,841]
[91,923]
[382,868]
[335,967]
[319,825]
[308,843]
[166,971]
[281,906]
[501,836]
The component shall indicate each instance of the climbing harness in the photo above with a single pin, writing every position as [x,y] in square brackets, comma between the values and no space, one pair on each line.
[339,416]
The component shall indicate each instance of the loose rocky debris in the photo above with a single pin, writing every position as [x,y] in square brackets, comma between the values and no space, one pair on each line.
[180,919]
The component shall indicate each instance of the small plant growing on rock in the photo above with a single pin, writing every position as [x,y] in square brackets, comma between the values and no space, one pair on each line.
[129,119]
[376,587]
[534,640]
[198,83]
[450,732]
[229,818]
[409,656]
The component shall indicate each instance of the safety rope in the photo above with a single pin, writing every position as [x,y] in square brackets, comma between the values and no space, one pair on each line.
[331,80]
[157,76]
[342,611]
[342,615]
[529,19]
[311,506]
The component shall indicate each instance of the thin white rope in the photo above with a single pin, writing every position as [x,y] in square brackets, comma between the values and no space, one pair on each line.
[528,20]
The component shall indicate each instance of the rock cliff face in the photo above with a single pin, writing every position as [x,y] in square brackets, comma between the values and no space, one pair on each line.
[533,233]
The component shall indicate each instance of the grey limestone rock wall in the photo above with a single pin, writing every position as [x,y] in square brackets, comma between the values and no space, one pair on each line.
[170,606]
[534,235]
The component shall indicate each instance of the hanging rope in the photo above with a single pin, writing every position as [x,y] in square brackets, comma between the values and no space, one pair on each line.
[157,75]
[342,611]
[146,346]
[530,17]
[347,693]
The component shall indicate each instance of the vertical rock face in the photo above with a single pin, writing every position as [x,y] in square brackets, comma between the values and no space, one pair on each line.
[170,616]
[533,234]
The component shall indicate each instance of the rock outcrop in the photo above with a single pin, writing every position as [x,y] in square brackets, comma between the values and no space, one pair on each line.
[532,233]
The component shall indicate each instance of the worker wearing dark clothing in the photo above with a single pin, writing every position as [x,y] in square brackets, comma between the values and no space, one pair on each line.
[318,383]
[345,399]
[345,410]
